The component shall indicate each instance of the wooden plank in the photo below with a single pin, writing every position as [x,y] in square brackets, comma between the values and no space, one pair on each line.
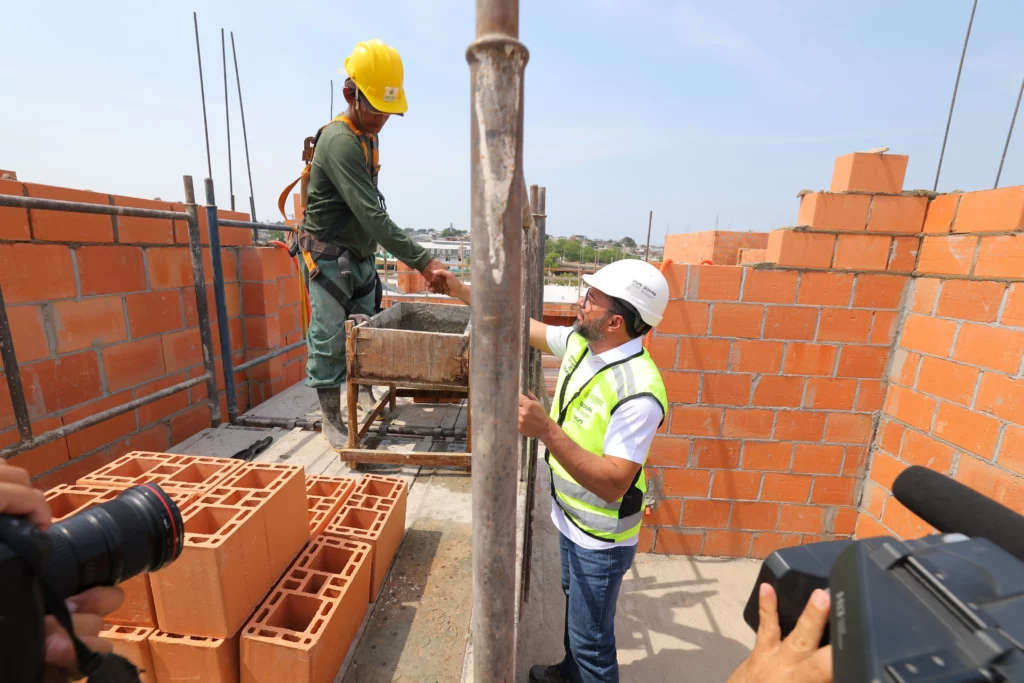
[405,458]
[369,417]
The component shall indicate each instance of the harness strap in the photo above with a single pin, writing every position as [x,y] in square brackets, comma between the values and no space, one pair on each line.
[309,243]
[341,118]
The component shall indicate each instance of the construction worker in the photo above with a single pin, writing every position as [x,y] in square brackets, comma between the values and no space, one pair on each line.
[346,218]
[609,402]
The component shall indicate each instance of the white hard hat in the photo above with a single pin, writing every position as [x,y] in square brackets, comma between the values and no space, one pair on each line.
[638,283]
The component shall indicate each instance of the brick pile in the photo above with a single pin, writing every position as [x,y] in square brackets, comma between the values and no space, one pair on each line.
[103,311]
[258,593]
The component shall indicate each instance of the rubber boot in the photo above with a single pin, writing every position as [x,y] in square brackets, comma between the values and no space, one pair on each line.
[366,398]
[333,426]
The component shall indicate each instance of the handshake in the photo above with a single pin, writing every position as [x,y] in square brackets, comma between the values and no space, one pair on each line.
[441,281]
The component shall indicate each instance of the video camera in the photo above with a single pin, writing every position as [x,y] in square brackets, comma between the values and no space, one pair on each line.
[139,531]
[947,608]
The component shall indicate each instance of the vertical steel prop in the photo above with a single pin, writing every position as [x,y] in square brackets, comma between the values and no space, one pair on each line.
[220,302]
[195,249]
[497,61]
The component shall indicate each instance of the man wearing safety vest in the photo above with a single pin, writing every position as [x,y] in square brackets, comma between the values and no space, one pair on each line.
[609,402]
[346,218]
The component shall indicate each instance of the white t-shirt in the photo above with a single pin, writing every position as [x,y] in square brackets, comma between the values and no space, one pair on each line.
[630,431]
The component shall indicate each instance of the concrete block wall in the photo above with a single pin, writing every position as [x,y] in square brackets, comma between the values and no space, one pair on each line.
[103,311]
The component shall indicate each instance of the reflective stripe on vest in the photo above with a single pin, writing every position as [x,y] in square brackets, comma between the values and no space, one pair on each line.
[584,416]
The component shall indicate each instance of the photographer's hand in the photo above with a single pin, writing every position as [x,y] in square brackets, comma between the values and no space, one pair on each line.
[797,659]
[87,612]
[17,497]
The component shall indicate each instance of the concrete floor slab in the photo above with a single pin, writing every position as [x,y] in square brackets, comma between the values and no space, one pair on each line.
[678,618]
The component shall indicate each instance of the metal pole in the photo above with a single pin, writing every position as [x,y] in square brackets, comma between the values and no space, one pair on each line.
[496,60]
[245,139]
[220,302]
[650,219]
[202,92]
[227,118]
[195,248]
[1008,134]
[956,85]
[332,100]
[14,386]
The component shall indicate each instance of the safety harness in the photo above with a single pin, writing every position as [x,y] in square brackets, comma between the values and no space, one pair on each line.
[310,247]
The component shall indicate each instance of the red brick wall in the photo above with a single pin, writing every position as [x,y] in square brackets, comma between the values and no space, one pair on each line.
[774,378]
[721,247]
[955,403]
[103,311]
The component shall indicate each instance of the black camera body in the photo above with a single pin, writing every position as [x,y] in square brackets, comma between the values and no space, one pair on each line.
[942,608]
[140,530]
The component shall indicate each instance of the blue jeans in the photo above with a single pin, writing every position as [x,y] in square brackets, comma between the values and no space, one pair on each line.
[591,581]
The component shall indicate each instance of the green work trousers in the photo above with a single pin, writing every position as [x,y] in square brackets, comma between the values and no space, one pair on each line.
[325,342]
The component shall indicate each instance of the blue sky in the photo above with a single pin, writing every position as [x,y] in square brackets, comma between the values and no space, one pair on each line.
[692,109]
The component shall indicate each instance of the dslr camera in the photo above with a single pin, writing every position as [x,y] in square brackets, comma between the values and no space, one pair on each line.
[138,531]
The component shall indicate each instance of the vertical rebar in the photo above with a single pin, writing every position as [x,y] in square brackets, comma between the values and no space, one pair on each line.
[14,386]
[332,100]
[650,219]
[245,140]
[1009,134]
[202,93]
[227,119]
[956,85]
[496,60]
[219,301]
[195,248]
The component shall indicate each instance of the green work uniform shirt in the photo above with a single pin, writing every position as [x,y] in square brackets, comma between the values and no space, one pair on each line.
[343,206]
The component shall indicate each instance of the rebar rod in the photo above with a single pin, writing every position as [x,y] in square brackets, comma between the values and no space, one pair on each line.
[245,139]
[227,118]
[1009,134]
[956,85]
[202,93]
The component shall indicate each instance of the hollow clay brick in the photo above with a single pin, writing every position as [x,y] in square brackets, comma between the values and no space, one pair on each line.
[869,172]
[304,629]
[238,540]
[380,522]
[324,496]
[132,643]
[68,499]
[283,510]
[173,472]
[188,659]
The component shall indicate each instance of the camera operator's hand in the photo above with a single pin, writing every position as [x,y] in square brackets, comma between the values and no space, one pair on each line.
[17,497]
[87,611]
[797,659]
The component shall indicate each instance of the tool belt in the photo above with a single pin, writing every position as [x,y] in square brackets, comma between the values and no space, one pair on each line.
[313,249]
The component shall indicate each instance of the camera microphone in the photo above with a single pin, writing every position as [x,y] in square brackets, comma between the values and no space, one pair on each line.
[951,507]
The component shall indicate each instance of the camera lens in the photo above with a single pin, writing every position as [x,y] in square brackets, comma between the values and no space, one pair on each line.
[139,531]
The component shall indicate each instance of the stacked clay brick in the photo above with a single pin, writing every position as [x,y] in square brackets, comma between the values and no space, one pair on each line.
[866,222]
[275,577]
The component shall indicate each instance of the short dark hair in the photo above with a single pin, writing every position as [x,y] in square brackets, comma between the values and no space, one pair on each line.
[635,325]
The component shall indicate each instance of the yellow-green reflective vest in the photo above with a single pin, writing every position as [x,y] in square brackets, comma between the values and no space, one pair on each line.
[584,416]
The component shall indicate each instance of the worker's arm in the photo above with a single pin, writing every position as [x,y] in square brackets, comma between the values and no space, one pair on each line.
[345,166]
[460,290]
[625,448]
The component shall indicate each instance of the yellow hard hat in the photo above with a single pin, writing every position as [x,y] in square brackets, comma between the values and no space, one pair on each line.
[376,69]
